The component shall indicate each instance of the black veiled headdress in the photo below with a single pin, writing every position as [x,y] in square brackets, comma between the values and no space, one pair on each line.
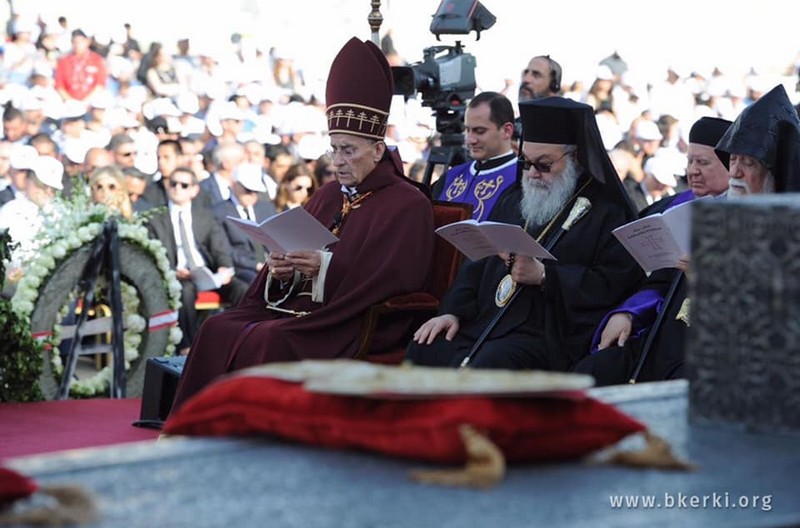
[562,121]
[769,130]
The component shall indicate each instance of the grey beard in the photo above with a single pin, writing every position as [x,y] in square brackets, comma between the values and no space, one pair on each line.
[740,188]
[769,184]
[542,201]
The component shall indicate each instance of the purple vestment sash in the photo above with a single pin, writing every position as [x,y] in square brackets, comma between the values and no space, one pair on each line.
[643,305]
[481,190]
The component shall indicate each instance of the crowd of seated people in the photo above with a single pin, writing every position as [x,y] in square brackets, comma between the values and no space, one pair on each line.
[188,140]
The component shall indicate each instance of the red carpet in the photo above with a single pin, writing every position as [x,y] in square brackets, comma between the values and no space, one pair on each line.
[43,427]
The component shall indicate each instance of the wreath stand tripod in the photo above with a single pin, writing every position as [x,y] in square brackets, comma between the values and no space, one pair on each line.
[104,258]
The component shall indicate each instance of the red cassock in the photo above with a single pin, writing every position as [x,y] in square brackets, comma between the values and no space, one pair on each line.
[385,248]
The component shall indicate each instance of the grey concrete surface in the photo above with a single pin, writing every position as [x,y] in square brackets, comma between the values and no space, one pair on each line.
[181,482]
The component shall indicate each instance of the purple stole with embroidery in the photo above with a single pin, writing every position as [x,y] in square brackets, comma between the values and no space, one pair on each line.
[462,185]
[643,305]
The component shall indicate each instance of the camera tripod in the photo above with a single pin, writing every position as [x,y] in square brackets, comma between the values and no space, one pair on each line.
[450,124]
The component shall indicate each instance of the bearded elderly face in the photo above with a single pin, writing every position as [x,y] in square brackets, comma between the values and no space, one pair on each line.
[535,81]
[544,161]
[549,181]
[749,176]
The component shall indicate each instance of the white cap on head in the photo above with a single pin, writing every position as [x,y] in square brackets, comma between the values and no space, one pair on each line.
[128,121]
[311,147]
[250,176]
[265,135]
[272,94]
[187,103]
[162,106]
[73,109]
[30,103]
[648,131]
[22,157]
[252,92]
[231,110]
[101,100]
[604,73]
[662,170]
[49,171]
[75,150]
[132,104]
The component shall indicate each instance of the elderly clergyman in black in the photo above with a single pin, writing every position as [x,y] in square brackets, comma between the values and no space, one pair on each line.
[569,199]
[763,149]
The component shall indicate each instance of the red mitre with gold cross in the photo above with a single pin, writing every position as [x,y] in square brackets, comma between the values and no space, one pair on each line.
[359,91]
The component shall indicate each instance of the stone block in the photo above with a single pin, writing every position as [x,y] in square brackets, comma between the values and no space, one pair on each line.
[743,345]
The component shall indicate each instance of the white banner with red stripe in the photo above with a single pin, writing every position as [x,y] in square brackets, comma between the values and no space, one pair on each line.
[162,320]
[96,326]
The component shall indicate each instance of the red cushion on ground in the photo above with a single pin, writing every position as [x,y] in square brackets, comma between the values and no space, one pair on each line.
[15,486]
[525,429]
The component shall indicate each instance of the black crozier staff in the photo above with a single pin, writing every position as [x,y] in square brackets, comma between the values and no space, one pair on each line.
[579,209]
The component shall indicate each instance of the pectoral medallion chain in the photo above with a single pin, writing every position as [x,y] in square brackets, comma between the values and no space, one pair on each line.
[347,206]
[507,286]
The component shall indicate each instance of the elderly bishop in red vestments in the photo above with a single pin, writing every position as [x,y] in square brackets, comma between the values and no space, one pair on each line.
[309,304]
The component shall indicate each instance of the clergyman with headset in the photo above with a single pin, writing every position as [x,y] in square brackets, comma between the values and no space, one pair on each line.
[540,78]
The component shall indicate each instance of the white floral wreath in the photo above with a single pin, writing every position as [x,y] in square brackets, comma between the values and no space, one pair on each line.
[70,226]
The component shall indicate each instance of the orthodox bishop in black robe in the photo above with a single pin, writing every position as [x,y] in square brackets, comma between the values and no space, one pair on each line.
[570,199]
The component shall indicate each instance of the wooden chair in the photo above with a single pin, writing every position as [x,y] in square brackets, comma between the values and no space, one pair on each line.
[420,305]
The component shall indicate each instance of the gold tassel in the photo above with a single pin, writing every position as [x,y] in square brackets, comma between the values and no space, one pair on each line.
[74,506]
[485,466]
[657,453]
[683,313]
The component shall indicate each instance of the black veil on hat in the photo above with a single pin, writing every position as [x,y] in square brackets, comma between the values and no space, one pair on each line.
[708,131]
[769,130]
[561,121]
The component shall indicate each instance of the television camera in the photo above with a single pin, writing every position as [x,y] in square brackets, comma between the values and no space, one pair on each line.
[445,78]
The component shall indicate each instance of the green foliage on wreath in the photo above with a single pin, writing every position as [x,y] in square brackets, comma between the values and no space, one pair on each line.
[20,353]
[70,225]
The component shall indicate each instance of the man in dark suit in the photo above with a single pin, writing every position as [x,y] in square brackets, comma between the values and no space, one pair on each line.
[193,240]
[226,157]
[135,185]
[170,156]
[247,201]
